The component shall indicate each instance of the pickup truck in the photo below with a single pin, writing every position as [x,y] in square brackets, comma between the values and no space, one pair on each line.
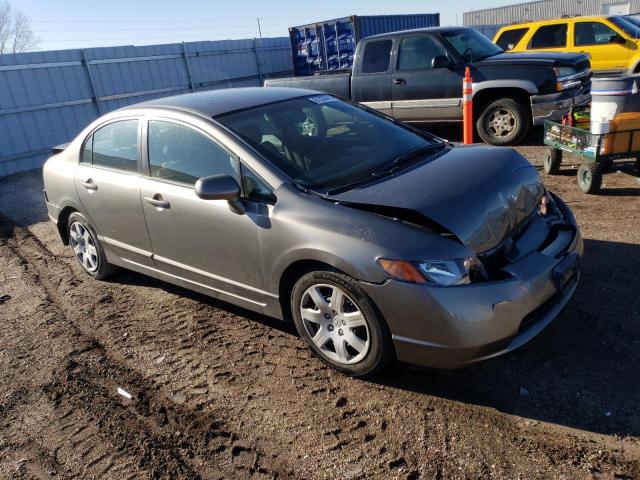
[416,76]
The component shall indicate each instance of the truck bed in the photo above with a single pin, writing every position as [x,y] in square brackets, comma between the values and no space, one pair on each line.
[337,84]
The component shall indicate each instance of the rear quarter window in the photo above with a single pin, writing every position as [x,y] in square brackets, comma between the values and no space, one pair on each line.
[509,39]
[377,56]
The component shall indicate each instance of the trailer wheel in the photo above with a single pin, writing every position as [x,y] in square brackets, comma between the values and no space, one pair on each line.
[590,177]
[552,161]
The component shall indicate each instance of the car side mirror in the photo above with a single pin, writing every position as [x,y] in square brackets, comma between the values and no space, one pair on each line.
[221,187]
[441,61]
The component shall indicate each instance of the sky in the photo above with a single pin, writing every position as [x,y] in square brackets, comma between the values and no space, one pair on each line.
[63,24]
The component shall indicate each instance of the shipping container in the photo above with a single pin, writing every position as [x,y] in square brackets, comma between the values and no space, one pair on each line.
[330,45]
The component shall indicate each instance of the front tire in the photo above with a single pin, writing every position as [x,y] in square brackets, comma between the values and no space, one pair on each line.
[87,250]
[340,324]
[504,121]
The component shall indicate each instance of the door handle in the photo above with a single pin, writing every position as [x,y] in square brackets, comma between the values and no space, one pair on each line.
[399,81]
[89,185]
[157,201]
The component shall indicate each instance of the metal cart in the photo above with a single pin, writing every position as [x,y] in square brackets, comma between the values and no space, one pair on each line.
[589,147]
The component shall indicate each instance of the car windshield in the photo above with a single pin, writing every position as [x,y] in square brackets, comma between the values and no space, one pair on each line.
[629,25]
[471,44]
[323,143]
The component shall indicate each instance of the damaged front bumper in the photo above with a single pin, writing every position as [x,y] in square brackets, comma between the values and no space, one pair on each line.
[556,105]
[448,327]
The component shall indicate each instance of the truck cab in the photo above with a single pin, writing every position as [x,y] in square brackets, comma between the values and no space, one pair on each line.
[416,76]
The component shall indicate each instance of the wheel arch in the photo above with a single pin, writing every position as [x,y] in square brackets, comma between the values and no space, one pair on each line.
[484,96]
[293,272]
[63,220]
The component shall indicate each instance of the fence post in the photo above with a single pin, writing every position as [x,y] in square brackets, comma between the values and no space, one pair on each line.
[258,65]
[96,98]
[186,61]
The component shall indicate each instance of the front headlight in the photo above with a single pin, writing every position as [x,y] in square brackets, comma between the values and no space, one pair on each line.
[564,71]
[439,272]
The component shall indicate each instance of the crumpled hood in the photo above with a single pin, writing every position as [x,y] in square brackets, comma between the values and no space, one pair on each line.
[480,194]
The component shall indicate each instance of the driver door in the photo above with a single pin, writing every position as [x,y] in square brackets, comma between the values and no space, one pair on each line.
[596,39]
[421,92]
[200,242]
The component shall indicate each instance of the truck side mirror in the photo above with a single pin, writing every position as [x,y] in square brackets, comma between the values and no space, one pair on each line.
[441,61]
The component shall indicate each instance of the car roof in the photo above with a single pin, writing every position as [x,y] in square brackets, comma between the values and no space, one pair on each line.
[577,18]
[217,102]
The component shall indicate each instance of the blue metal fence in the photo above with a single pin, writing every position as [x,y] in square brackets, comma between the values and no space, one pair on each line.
[46,98]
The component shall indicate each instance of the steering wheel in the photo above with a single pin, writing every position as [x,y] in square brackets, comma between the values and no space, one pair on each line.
[321,146]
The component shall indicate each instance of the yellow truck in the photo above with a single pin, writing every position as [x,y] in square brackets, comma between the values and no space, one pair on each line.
[612,41]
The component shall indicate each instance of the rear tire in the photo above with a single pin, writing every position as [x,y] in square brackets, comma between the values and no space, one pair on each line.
[552,161]
[504,121]
[340,324]
[86,248]
[590,177]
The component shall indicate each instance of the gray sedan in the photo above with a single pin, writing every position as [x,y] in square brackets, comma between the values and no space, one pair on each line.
[377,240]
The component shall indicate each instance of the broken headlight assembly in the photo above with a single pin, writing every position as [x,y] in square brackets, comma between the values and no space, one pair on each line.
[437,272]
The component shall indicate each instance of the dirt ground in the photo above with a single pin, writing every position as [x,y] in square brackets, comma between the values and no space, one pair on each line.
[219,392]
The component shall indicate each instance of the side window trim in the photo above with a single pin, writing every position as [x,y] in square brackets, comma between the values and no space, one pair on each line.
[146,163]
[111,169]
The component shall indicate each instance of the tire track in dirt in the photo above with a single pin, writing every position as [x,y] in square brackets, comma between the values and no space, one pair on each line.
[86,424]
[198,367]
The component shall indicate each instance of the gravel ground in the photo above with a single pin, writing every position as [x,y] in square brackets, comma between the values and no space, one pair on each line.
[218,392]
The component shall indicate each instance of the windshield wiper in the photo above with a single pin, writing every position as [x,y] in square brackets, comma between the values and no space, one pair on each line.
[396,164]
[401,160]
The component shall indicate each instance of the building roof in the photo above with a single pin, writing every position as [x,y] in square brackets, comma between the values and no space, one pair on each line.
[217,102]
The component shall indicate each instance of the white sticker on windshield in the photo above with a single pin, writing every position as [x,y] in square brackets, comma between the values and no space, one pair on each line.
[320,99]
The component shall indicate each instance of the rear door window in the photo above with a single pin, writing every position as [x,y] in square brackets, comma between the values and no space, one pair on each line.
[509,39]
[116,146]
[550,36]
[377,56]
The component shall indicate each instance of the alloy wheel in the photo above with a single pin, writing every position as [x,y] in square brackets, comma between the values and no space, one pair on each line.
[335,324]
[84,246]
[501,123]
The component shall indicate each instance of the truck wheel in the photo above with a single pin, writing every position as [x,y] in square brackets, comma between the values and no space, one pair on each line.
[590,177]
[503,122]
[552,161]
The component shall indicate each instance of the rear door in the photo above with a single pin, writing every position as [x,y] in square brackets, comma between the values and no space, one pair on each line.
[107,181]
[421,92]
[599,40]
[201,242]
[371,81]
